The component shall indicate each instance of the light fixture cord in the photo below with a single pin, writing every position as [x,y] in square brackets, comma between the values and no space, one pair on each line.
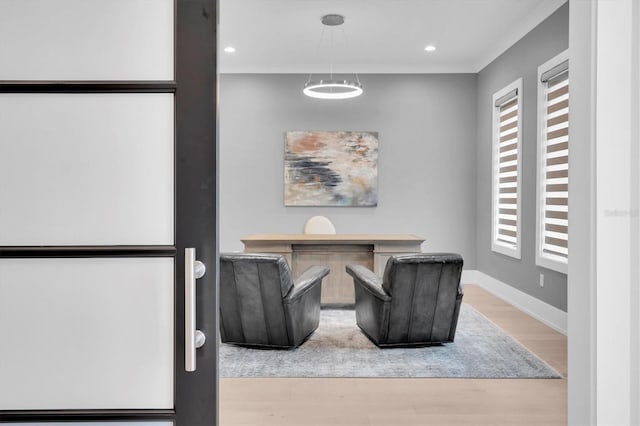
[346,42]
[331,56]
[317,51]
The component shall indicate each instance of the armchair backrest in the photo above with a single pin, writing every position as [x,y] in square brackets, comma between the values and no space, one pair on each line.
[424,288]
[251,290]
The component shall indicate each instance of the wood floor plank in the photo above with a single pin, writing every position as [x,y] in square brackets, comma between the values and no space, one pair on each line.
[415,401]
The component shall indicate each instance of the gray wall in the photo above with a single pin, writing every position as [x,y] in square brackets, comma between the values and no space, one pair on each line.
[521,60]
[426,126]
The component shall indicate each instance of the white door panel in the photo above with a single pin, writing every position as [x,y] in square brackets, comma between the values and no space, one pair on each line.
[87,169]
[86,39]
[86,333]
[94,338]
[141,423]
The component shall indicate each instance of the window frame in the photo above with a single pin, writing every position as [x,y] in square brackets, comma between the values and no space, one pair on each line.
[542,259]
[496,245]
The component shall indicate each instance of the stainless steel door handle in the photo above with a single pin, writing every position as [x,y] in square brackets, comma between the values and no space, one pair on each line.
[194,339]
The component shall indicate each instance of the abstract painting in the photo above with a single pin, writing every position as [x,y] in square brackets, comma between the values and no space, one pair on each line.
[331,169]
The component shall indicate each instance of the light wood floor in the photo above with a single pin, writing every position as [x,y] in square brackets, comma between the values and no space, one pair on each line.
[396,402]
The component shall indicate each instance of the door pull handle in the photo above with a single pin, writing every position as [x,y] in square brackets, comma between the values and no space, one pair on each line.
[194,338]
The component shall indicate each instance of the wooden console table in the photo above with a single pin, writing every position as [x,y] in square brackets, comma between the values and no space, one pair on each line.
[334,251]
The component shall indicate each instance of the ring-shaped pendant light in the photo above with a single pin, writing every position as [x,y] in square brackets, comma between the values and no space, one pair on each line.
[332,88]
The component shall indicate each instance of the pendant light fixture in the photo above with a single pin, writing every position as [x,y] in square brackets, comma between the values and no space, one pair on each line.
[332,88]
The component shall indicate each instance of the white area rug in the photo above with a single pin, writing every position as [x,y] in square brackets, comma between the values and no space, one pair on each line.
[339,349]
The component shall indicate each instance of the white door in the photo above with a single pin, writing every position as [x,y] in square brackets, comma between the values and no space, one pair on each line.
[107,175]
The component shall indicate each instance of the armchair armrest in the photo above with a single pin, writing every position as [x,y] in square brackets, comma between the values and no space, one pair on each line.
[304,282]
[368,280]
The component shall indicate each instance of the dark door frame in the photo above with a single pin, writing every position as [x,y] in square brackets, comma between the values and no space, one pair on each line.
[196,202]
[196,187]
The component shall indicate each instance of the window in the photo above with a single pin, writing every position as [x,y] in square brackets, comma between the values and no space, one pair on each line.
[507,133]
[552,224]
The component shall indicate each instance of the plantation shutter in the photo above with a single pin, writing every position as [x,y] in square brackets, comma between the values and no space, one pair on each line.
[508,116]
[555,199]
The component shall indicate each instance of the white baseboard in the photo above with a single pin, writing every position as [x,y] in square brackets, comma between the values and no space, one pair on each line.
[542,311]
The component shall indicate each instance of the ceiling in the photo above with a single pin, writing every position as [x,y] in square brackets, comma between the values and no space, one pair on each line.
[378,36]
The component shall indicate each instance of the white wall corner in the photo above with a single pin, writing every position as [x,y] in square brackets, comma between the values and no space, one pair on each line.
[531,20]
[542,311]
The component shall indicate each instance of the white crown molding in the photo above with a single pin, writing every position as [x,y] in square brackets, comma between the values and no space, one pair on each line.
[368,69]
[542,311]
[532,20]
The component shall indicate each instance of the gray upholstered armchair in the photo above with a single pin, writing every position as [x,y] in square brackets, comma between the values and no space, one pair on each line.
[261,305]
[417,302]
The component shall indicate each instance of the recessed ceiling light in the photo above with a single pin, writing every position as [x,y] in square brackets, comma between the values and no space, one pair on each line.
[430,48]
[229,49]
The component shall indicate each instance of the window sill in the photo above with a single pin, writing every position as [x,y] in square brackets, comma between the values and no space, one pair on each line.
[554,265]
[511,251]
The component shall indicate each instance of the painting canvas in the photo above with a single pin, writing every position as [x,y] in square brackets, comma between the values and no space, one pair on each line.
[331,169]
